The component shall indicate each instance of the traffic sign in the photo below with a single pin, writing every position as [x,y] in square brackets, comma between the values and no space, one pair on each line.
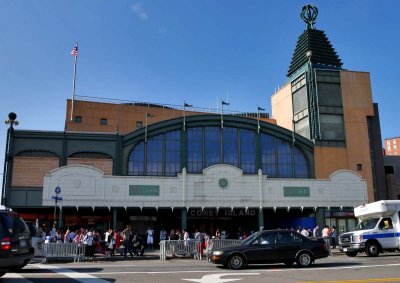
[57,190]
[56,198]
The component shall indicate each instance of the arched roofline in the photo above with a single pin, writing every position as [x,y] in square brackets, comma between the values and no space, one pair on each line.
[90,151]
[21,152]
[215,120]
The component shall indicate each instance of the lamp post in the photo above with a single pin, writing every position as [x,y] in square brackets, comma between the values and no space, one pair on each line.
[12,120]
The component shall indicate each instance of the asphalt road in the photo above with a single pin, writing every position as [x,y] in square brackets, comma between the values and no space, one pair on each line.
[336,268]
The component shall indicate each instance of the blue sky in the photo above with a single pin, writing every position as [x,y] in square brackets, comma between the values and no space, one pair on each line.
[170,51]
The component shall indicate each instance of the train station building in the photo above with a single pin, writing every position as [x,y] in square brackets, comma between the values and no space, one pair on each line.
[148,164]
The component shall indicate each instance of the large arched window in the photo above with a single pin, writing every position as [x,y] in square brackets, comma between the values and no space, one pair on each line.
[172,153]
[195,150]
[247,151]
[136,160]
[210,145]
[230,146]
[268,155]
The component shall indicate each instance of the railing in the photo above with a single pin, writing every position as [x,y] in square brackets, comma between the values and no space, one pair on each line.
[74,251]
[181,248]
[192,247]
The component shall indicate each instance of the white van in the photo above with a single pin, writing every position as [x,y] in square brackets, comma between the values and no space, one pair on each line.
[378,229]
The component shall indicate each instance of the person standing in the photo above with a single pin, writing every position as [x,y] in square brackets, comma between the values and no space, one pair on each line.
[333,237]
[163,234]
[126,236]
[150,237]
[316,231]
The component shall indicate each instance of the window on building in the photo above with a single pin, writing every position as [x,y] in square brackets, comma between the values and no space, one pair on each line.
[268,155]
[212,146]
[195,150]
[136,160]
[172,153]
[139,124]
[230,146]
[103,121]
[78,119]
[247,151]
[284,159]
[155,156]
[300,164]
[359,167]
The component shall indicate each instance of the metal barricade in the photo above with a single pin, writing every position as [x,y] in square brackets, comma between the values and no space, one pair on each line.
[74,251]
[181,248]
[213,244]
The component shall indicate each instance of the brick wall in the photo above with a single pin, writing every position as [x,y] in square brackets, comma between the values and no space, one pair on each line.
[105,165]
[29,171]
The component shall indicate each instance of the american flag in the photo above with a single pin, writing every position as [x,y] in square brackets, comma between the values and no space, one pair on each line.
[74,51]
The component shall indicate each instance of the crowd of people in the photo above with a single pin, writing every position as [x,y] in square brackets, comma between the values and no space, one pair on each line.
[109,243]
[128,241]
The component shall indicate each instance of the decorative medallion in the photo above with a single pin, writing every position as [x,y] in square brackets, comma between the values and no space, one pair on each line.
[223,183]
[77,183]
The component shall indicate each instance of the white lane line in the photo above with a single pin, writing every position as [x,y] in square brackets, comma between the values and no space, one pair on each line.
[78,276]
[250,270]
[14,278]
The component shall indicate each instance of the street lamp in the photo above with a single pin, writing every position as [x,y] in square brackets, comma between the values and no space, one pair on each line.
[12,120]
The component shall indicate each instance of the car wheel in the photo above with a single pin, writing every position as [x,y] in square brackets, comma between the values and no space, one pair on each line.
[304,259]
[2,273]
[236,262]
[372,249]
[289,262]
[351,254]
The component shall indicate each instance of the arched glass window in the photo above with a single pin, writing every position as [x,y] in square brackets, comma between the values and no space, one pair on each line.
[212,146]
[300,164]
[268,155]
[155,156]
[247,151]
[136,160]
[230,146]
[195,150]
[172,153]
[284,159]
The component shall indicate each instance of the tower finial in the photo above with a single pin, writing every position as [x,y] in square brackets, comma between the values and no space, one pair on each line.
[309,14]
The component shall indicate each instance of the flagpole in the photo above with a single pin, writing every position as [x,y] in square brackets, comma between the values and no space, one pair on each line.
[258,119]
[74,81]
[145,130]
[222,115]
[184,118]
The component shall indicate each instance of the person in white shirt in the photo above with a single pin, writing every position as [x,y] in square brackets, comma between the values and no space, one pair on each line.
[304,232]
[163,234]
[150,238]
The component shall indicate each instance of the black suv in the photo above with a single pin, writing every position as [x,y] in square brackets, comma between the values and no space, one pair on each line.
[15,242]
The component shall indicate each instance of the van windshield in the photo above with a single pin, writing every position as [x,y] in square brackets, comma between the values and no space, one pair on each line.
[367,224]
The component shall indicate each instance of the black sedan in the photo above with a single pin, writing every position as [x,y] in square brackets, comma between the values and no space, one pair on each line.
[271,246]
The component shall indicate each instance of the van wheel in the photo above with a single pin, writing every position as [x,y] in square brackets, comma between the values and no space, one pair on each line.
[372,249]
[351,254]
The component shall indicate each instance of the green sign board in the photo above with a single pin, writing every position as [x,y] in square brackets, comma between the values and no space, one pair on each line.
[144,190]
[296,191]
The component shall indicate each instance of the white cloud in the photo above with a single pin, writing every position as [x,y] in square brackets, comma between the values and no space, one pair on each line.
[139,11]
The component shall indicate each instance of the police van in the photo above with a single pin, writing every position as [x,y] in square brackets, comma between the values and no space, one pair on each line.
[378,229]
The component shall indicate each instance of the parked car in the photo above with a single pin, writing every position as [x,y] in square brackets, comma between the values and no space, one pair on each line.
[37,241]
[271,246]
[15,242]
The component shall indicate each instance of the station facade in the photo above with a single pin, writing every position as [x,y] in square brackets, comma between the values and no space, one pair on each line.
[151,165]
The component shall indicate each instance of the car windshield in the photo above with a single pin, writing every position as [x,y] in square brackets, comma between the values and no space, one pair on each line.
[367,224]
[251,238]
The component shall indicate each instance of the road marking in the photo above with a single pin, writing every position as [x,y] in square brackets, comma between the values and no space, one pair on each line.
[78,276]
[371,280]
[216,278]
[14,278]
